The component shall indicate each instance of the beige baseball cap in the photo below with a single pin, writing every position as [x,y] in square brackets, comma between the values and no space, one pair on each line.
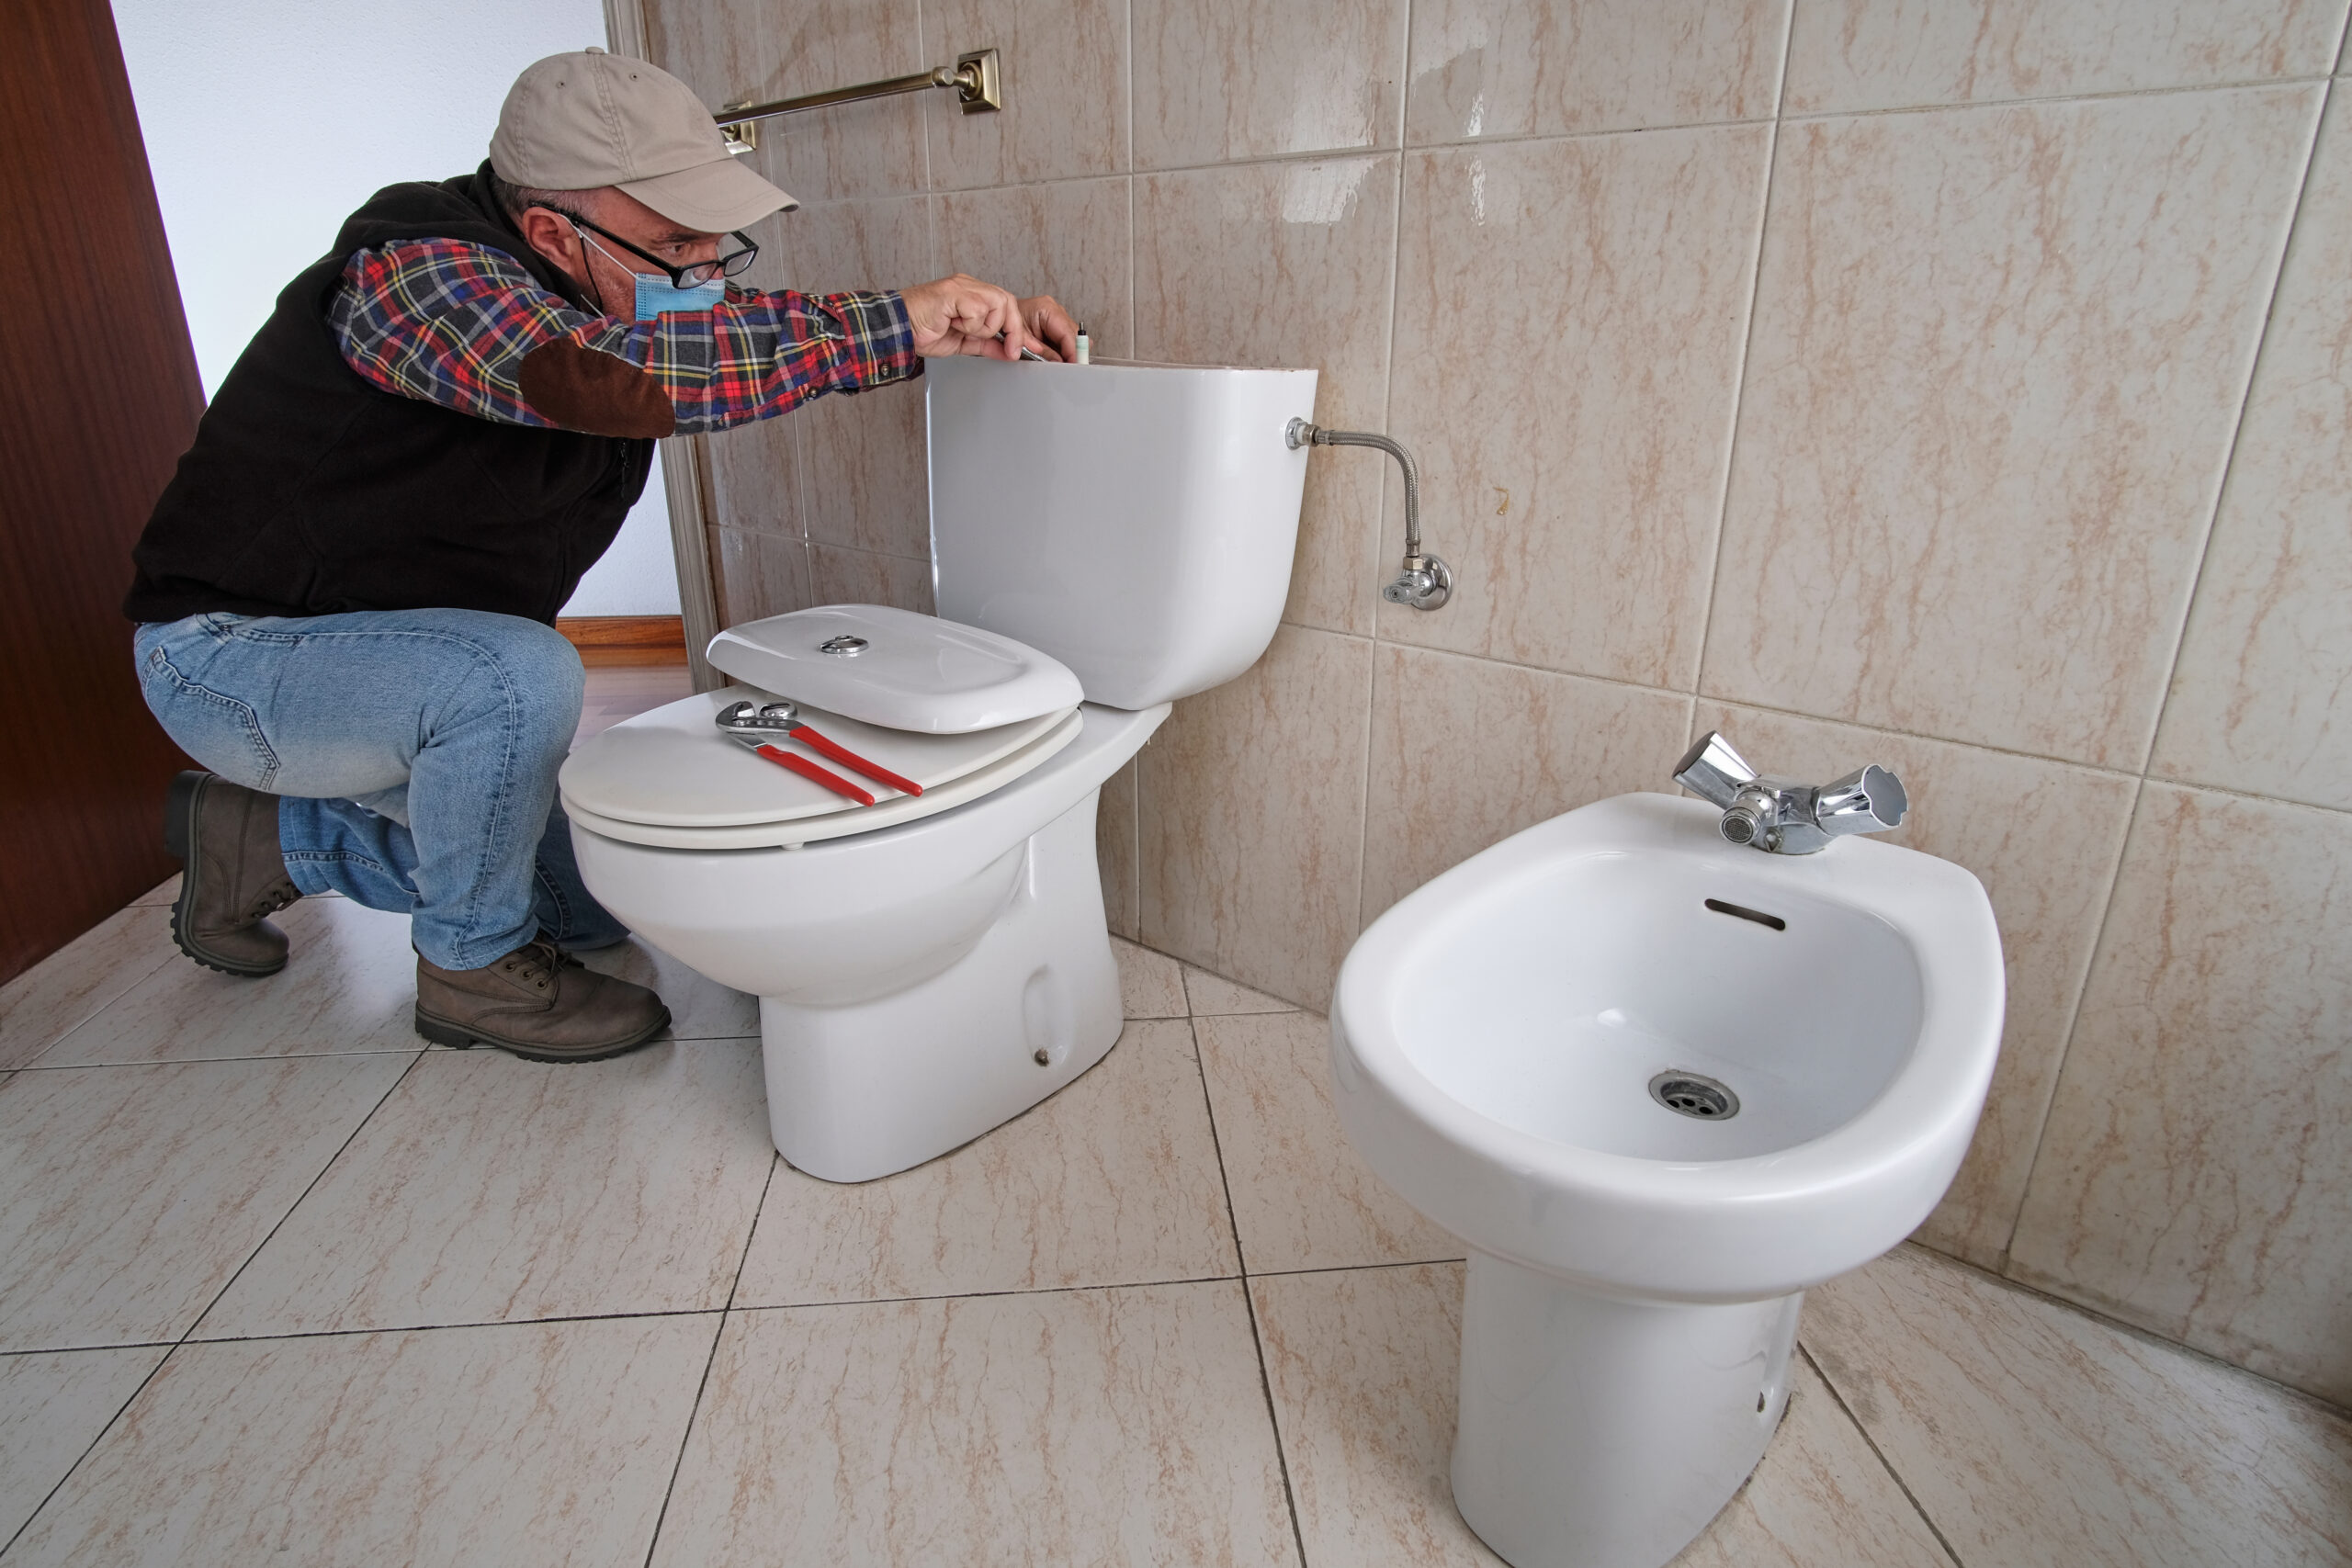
[579,122]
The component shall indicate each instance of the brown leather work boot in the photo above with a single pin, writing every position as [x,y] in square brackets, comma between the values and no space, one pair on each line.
[225,835]
[539,1002]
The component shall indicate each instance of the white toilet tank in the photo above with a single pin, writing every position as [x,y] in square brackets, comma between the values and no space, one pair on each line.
[1137,522]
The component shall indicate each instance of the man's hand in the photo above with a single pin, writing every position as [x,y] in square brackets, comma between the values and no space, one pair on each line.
[1046,319]
[962,315]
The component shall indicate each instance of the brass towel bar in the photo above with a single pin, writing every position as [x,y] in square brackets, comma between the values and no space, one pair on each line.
[974,78]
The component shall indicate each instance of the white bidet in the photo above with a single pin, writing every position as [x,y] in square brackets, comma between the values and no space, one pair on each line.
[1660,1085]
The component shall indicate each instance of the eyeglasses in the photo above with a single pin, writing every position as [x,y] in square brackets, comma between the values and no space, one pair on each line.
[731,265]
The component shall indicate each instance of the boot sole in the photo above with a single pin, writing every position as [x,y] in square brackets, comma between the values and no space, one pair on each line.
[179,841]
[442,1031]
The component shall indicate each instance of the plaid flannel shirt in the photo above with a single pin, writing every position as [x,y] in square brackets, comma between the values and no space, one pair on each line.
[451,324]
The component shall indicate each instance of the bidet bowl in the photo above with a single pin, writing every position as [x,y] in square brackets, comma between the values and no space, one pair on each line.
[1496,1036]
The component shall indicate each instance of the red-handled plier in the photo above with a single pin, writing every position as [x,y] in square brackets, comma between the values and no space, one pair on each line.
[758,726]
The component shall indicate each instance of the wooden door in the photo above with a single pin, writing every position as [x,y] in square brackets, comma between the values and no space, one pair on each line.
[99,398]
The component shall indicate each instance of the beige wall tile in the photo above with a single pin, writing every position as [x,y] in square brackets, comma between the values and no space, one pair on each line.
[1225,79]
[758,575]
[1064,70]
[1075,1426]
[52,1407]
[487,1188]
[1521,68]
[2195,1178]
[864,483]
[719,48]
[2044,838]
[2031,1434]
[868,475]
[2262,697]
[1112,1181]
[135,1193]
[752,473]
[1287,264]
[74,982]
[1302,1197]
[738,52]
[1364,1367]
[1858,55]
[881,241]
[1114,850]
[1997,359]
[1151,985]
[350,985]
[527,1445]
[1568,330]
[1466,752]
[858,577]
[1252,803]
[1069,239]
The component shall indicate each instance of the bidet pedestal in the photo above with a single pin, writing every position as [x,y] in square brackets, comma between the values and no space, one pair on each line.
[1597,1433]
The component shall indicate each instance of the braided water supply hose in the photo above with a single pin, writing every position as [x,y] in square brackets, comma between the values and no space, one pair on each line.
[1424,582]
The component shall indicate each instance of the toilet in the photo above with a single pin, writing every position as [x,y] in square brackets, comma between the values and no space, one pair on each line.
[1105,538]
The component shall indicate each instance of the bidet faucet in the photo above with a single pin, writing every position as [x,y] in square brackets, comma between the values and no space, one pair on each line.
[1780,816]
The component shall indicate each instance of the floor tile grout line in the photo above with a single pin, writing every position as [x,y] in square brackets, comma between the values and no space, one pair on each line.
[310,1186]
[1248,1302]
[96,1439]
[1893,1475]
[2144,1335]
[718,1337]
[361,1331]
[209,1061]
[739,1308]
[1359,1267]
[173,1349]
[92,1017]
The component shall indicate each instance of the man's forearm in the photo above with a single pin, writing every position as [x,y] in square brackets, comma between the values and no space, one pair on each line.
[468,328]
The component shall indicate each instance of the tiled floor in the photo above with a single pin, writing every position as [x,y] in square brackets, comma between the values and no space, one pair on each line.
[278,1285]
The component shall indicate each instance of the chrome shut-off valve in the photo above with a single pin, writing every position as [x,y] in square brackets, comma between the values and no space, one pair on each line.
[1780,816]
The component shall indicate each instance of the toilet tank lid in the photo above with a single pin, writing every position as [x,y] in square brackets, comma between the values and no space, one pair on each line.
[896,669]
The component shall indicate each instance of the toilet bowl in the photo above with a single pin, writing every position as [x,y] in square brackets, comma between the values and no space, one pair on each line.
[931,964]
[1659,1085]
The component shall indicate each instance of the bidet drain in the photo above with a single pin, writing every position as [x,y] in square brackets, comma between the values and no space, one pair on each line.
[1694,1094]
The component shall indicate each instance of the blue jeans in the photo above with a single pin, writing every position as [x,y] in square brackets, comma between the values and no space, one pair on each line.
[414,753]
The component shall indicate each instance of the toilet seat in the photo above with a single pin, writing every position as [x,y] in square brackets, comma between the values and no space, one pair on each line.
[960,711]
[669,779]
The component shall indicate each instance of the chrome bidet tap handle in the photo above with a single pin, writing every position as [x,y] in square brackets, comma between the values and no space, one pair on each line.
[1868,800]
[1713,772]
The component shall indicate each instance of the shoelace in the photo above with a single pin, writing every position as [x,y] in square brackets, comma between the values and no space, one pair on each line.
[540,963]
[271,899]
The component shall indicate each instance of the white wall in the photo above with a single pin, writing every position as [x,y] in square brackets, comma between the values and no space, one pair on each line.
[268,121]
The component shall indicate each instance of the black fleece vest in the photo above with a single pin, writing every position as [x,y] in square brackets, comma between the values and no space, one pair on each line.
[310,492]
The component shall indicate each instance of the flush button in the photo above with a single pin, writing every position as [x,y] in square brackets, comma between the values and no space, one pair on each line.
[845,646]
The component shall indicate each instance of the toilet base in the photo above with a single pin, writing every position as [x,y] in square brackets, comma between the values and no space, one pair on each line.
[1605,1434]
[862,1091]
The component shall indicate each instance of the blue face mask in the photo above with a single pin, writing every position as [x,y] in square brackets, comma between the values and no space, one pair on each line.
[657,296]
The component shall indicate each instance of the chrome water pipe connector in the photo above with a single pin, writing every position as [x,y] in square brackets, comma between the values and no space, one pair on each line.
[1423,582]
[1781,816]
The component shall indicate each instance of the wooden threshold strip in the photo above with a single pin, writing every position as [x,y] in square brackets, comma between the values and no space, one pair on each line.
[605,641]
